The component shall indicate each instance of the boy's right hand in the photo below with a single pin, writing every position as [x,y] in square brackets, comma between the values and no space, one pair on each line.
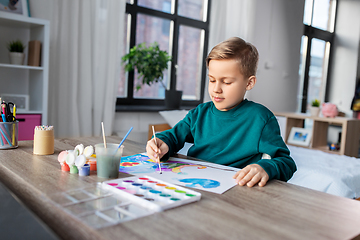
[154,151]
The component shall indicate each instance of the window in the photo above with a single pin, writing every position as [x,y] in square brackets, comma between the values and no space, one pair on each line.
[181,28]
[319,24]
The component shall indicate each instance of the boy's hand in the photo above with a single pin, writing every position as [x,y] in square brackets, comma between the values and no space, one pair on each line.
[156,152]
[251,175]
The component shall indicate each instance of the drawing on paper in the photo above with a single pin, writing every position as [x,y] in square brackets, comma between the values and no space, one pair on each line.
[140,164]
[205,183]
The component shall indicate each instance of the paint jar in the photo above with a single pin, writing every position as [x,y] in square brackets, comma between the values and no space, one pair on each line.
[84,170]
[9,135]
[65,167]
[74,169]
[92,163]
[108,160]
[43,140]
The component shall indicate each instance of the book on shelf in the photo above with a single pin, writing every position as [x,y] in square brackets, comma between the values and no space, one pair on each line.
[34,53]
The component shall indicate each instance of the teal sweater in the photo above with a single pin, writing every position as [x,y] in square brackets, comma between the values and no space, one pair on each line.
[236,138]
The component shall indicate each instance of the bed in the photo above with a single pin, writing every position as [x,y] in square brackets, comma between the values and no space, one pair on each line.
[335,174]
[331,173]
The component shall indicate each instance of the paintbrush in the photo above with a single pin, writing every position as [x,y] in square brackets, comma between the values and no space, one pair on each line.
[103,133]
[126,135]
[156,146]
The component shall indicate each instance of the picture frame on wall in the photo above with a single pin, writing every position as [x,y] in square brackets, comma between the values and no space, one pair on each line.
[300,136]
[15,6]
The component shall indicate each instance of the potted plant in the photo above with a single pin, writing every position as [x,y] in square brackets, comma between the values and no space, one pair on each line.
[151,62]
[16,52]
[315,108]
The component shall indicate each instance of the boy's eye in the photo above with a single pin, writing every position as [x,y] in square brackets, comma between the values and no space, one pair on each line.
[227,83]
[211,80]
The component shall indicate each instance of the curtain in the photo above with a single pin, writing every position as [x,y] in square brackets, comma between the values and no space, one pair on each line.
[85,60]
[230,18]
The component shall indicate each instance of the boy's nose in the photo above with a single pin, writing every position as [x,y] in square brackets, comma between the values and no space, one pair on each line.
[217,88]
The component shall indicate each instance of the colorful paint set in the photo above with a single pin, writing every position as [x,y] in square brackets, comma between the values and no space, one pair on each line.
[121,200]
[80,161]
[151,193]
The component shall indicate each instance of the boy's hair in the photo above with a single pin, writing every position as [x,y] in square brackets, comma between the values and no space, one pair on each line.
[236,48]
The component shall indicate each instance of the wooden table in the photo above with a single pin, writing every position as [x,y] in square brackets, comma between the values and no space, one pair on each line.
[277,211]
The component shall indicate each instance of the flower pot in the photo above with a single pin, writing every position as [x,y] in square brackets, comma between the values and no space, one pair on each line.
[314,111]
[17,58]
[173,99]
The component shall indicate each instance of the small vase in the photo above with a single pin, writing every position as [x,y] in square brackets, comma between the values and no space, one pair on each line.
[17,58]
[173,99]
[314,111]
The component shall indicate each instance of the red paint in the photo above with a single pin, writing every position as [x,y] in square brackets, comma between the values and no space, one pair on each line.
[93,165]
[65,167]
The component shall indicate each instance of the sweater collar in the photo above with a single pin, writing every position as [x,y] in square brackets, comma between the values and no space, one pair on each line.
[230,112]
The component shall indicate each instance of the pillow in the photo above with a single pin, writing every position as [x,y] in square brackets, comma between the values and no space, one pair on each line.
[174,116]
[282,125]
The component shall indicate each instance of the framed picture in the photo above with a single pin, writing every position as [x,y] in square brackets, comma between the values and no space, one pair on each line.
[15,6]
[300,136]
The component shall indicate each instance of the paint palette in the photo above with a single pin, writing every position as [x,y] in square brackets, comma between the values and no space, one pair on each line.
[151,193]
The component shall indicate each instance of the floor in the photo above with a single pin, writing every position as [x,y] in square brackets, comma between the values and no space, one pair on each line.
[18,222]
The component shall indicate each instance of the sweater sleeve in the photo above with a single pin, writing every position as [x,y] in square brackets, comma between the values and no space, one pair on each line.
[176,137]
[281,166]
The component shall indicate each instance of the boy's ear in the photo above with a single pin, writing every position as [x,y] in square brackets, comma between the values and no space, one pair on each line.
[251,83]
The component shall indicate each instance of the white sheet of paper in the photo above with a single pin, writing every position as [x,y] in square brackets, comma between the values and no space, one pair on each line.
[199,175]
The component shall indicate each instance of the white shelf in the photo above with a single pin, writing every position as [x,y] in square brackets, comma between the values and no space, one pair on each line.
[24,79]
[28,112]
[349,137]
[5,65]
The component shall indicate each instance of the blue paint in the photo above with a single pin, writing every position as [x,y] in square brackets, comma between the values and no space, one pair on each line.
[155,191]
[205,183]
[137,184]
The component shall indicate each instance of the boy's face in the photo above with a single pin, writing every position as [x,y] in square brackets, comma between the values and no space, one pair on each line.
[227,85]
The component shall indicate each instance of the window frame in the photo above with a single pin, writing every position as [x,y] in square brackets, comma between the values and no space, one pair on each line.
[312,32]
[150,104]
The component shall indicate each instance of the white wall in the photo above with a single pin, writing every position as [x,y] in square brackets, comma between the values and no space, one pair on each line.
[277,36]
[139,121]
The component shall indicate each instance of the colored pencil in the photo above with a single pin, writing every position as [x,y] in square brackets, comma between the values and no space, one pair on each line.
[14,128]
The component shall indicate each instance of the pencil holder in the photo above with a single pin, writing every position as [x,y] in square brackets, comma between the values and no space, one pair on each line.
[43,140]
[8,135]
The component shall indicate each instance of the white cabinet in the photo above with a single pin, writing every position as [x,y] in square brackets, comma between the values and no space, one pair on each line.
[23,79]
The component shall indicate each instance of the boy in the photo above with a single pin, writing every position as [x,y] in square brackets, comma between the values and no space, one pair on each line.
[231,130]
